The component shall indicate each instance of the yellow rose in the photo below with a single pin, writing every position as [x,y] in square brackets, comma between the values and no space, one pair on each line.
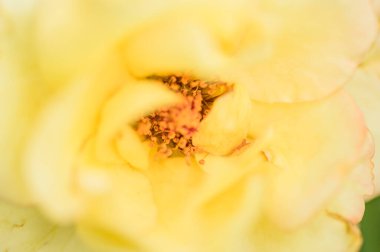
[183,125]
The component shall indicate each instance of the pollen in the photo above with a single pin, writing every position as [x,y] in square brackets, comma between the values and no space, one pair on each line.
[170,129]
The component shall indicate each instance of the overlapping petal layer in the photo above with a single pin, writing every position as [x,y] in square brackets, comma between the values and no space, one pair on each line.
[16,84]
[62,130]
[266,45]
[13,113]
[70,132]
[226,126]
[349,203]
[313,146]
[365,88]
[275,148]
[263,44]
[326,232]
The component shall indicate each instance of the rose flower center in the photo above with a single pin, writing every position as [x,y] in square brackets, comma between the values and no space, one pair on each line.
[170,129]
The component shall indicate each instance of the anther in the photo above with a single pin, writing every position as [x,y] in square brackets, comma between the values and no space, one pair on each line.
[171,129]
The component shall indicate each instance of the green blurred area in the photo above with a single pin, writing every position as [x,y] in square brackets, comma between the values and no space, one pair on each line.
[370,226]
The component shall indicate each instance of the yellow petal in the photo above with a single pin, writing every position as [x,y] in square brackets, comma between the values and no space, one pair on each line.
[183,39]
[308,58]
[68,41]
[18,108]
[376,5]
[181,187]
[132,150]
[218,201]
[223,172]
[25,229]
[65,125]
[222,224]
[18,33]
[226,126]
[372,58]
[134,100]
[313,147]
[349,203]
[269,45]
[173,184]
[110,198]
[22,94]
[365,88]
[21,99]
[168,47]
[104,241]
[125,208]
[326,232]
[229,217]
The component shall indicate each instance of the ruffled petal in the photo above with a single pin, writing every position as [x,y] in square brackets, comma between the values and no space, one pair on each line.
[18,107]
[230,216]
[279,50]
[314,46]
[313,146]
[63,128]
[18,33]
[365,88]
[129,104]
[372,59]
[87,31]
[173,183]
[22,94]
[376,5]
[168,47]
[326,232]
[197,204]
[125,207]
[103,241]
[180,186]
[349,201]
[226,126]
[132,150]
[89,190]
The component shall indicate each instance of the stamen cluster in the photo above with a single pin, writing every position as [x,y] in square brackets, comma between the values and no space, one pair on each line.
[171,128]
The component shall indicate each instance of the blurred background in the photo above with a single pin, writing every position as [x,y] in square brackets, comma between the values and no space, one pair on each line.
[370,226]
